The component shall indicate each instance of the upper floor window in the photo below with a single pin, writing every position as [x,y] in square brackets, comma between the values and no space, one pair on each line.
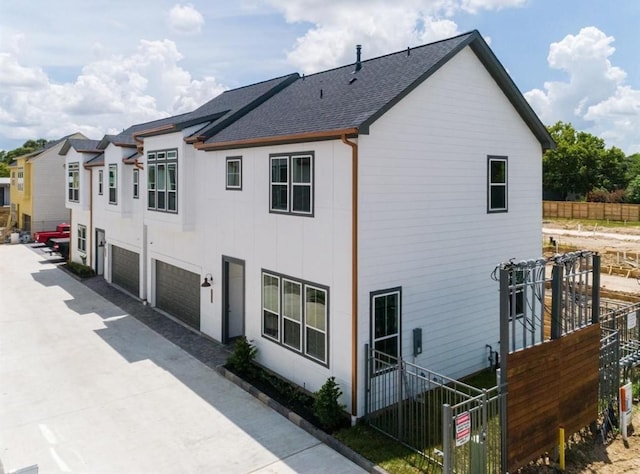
[113,184]
[162,180]
[295,314]
[100,182]
[82,238]
[497,196]
[234,172]
[74,182]
[136,183]
[291,184]
[20,179]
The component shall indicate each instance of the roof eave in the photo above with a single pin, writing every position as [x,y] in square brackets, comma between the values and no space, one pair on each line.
[279,139]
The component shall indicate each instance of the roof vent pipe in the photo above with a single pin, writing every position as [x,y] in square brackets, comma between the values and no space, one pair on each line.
[358,63]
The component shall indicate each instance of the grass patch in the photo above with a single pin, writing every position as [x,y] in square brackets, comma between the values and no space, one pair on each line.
[380,449]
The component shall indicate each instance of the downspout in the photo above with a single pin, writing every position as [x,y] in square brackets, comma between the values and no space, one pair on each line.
[90,236]
[354,274]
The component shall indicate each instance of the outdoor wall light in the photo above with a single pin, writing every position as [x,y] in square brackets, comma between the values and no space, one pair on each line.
[208,280]
[101,244]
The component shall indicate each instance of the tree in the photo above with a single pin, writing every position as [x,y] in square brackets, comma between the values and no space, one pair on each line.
[581,163]
[4,170]
[27,147]
[633,166]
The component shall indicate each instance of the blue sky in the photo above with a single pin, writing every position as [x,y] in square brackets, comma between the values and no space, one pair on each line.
[100,66]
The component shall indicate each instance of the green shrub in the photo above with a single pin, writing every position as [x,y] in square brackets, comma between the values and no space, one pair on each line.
[79,269]
[241,360]
[326,406]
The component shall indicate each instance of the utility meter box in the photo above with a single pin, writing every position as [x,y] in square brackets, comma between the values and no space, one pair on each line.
[417,341]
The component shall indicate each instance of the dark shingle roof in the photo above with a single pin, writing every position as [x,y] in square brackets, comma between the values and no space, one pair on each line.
[80,145]
[341,99]
[214,114]
[97,160]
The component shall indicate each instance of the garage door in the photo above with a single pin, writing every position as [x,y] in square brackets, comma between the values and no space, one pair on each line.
[125,269]
[178,293]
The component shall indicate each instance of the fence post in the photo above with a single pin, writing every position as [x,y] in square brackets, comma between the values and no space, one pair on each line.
[556,302]
[367,379]
[447,439]
[399,395]
[595,290]
[504,356]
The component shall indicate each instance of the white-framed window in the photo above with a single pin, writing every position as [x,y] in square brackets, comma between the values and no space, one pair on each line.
[162,180]
[295,314]
[113,184]
[73,173]
[497,189]
[385,322]
[20,179]
[291,184]
[100,182]
[82,238]
[136,183]
[234,172]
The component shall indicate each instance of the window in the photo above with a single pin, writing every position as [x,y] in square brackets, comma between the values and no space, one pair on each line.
[20,179]
[295,315]
[113,184]
[136,183]
[497,184]
[74,182]
[385,315]
[291,184]
[100,182]
[82,238]
[234,172]
[162,180]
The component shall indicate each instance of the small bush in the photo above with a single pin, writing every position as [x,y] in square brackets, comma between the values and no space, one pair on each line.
[602,195]
[241,360]
[79,269]
[326,406]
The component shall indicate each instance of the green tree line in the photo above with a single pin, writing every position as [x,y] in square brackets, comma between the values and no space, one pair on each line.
[582,167]
[7,157]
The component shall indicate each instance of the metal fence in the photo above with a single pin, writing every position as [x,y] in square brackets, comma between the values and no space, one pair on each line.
[453,426]
[624,319]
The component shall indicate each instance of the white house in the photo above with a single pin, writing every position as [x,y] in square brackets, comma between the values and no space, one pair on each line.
[317,214]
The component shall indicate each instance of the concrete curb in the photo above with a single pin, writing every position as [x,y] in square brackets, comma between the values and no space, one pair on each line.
[297,420]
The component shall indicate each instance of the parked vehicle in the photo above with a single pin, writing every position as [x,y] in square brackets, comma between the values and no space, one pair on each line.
[60,245]
[62,231]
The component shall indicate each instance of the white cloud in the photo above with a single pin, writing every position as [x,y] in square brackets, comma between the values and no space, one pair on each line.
[185,19]
[380,26]
[112,92]
[595,98]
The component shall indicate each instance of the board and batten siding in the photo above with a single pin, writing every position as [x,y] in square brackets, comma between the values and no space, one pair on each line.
[423,221]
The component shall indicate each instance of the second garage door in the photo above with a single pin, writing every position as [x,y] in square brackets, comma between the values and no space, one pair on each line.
[125,269]
[178,293]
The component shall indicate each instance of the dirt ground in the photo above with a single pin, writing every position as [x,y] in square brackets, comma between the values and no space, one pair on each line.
[589,455]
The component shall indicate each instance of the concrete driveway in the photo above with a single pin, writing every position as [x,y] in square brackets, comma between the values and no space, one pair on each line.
[85,387]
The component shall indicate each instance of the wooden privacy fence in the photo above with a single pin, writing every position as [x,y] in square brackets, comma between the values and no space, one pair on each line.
[592,210]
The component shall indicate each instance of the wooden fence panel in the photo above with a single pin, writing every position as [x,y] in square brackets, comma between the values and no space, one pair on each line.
[592,210]
[551,385]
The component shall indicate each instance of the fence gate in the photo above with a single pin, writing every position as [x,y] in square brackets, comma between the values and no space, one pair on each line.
[454,427]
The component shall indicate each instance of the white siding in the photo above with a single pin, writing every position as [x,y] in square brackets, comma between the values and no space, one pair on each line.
[423,212]
[48,190]
[316,249]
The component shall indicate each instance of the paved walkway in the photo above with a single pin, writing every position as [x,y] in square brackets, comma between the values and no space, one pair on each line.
[87,387]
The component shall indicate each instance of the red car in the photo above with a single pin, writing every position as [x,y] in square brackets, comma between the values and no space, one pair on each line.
[62,230]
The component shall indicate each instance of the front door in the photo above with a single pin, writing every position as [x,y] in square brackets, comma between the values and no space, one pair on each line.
[233,299]
[100,246]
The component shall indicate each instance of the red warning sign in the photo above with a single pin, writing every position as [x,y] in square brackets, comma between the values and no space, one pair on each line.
[463,428]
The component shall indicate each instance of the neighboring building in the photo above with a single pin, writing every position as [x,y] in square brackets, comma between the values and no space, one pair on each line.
[5,189]
[330,211]
[37,191]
